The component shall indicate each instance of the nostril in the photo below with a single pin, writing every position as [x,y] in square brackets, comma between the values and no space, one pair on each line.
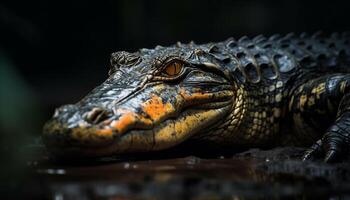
[96,115]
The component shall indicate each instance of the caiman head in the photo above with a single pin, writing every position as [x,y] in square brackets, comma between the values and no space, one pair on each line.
[153,99]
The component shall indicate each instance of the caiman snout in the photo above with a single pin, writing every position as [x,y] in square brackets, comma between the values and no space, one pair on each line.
[73,125]
[147,104]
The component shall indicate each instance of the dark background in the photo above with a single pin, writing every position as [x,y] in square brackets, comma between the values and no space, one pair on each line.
[54,52]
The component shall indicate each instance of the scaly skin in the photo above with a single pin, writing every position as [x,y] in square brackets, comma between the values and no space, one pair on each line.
[251,92]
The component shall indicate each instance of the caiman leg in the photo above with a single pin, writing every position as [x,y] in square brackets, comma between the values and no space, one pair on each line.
[321,112]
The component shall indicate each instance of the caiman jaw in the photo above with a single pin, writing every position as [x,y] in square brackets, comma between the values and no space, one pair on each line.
[159,126]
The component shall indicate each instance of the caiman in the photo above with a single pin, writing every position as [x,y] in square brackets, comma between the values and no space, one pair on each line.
[252,92]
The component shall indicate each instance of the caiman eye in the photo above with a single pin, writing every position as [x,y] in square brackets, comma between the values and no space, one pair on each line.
[173,68]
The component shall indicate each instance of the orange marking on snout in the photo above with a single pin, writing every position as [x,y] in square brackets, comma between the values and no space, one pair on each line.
[127,118]
[156,109]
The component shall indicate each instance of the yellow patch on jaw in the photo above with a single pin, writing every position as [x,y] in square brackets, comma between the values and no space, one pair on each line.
[200,97]
[184,127]
[197,96]
[92,135]
[105,132]
[156,109]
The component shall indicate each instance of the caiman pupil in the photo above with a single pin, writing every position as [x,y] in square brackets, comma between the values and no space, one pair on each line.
[173,68]
[251,92]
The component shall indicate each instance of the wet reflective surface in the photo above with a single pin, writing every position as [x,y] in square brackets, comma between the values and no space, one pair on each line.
[253,174]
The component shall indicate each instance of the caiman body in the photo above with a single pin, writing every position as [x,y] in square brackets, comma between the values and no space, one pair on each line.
[279,90]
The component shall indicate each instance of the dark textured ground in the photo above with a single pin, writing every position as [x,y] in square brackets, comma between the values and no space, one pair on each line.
[253,174]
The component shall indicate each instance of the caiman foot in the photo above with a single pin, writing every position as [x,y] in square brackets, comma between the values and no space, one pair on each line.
[334,145]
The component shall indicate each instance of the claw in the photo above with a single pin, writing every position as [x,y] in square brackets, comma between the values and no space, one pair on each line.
[331,156]
[334,143]
[307,155]
[313,151]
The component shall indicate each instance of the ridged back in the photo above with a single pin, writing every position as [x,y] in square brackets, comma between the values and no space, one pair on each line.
[281,57]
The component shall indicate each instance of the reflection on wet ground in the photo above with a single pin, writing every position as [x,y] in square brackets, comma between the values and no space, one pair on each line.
[254,174]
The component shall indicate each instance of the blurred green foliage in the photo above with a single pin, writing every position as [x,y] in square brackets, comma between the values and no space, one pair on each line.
[18,103]
[19,120]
